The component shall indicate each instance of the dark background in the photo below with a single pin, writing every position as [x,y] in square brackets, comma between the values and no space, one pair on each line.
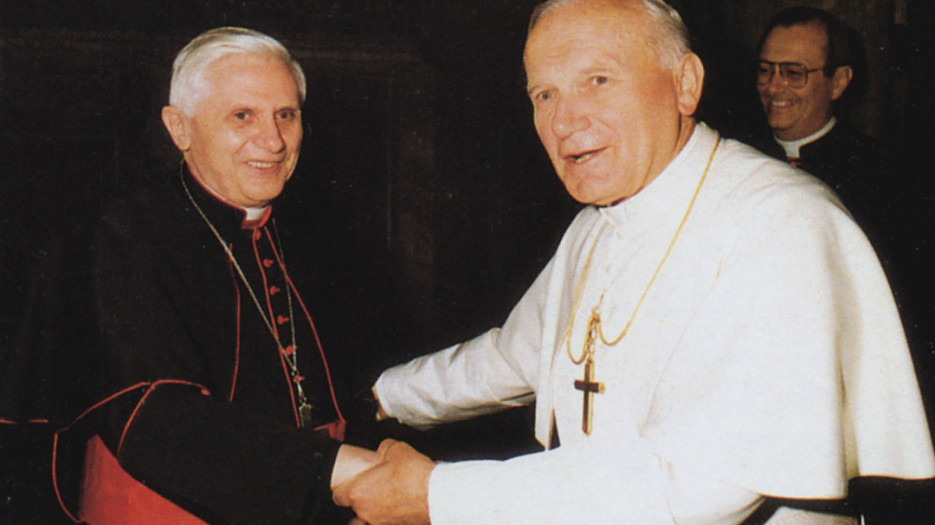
[419,160]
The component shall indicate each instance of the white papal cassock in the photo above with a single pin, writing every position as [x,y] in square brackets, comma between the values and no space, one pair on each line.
[768,358]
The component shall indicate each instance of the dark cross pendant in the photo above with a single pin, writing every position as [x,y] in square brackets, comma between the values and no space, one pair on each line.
[305,409]
[305,415]
[588,386]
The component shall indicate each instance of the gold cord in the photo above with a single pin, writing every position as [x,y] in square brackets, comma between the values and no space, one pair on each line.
[595,327]
[291,360]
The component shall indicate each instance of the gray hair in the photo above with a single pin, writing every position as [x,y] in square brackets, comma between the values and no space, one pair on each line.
[670,43]
[188,88]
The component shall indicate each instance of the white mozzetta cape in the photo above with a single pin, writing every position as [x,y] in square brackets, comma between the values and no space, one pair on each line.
[767,357]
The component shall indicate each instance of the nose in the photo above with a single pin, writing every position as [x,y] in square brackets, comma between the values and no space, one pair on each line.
[269,135]
[776,82]
[569,117]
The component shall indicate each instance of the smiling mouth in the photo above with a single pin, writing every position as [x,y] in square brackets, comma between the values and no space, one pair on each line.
[262,165]
[582,157]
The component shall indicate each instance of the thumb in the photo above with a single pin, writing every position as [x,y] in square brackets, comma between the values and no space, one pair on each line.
[341,495]
[386,445]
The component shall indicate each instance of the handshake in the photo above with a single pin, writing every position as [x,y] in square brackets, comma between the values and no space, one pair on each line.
[389,486]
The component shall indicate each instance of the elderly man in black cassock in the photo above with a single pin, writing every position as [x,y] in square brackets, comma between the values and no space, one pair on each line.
[201,391]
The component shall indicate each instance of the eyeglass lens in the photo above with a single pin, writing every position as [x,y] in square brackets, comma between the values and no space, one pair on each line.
[794,75]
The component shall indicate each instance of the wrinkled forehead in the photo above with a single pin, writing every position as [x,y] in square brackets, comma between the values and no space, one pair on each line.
[246,80]
[600,24]
[258,71]
[585,37]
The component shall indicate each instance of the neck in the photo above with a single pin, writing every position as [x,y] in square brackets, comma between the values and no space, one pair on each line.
[685,129]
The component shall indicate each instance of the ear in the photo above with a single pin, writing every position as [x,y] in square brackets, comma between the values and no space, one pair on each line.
[177,124]
[841,79]
[689,80]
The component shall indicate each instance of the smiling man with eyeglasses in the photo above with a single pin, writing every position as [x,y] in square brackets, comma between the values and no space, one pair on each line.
[803,69]
[810,66]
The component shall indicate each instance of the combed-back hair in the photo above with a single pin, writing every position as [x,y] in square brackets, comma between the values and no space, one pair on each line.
[187,87]
[840,50]
[670,43]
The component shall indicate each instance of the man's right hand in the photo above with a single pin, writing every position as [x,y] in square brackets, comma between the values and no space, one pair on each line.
[393,492]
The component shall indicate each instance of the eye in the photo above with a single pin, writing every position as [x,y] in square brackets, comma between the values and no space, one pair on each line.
[599,80]
[794,75]
[241,115]
[543,96]
[288,114]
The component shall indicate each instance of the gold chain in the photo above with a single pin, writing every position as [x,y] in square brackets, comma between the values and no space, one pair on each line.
[290,359]
[595,327]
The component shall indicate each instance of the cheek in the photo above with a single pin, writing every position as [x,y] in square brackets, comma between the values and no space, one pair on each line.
[294,139]
[218,152]
[819,98]
[226,145]
[293,148]
[545,136]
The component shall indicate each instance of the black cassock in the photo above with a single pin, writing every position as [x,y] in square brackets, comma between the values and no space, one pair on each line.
[864,173]
[144,337]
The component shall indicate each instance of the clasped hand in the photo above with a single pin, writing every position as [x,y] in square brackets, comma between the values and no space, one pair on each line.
[392,491]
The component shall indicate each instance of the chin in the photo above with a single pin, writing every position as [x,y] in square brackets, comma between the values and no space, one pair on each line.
[586,198]
[778,125]
[576,193]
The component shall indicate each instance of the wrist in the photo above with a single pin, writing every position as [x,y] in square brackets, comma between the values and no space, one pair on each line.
[381,412]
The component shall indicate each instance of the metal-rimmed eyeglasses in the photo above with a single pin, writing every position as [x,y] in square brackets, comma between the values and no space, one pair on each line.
[793,74]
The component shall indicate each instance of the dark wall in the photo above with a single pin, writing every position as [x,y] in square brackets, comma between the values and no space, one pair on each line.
[417,132]
[82,84]
[419,155]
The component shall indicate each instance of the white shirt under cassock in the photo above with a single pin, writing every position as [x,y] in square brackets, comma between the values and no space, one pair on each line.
[768,358]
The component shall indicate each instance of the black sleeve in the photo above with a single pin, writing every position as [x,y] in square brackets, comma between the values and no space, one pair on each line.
[221,464]
[43,372]
[177,433]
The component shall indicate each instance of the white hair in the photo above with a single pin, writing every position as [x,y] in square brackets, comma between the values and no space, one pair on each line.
[670,43]
[188,87]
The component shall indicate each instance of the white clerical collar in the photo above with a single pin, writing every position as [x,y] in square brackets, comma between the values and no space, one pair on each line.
[255,213]
[792,146]
[669,190]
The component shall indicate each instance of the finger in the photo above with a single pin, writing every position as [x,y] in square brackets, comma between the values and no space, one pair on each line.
[385,445]
[400,451]
[341,495]
[349,493]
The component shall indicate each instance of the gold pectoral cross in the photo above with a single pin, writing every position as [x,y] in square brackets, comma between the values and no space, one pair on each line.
[588,386]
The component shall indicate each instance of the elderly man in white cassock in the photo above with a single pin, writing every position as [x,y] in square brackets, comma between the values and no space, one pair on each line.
[713,331]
